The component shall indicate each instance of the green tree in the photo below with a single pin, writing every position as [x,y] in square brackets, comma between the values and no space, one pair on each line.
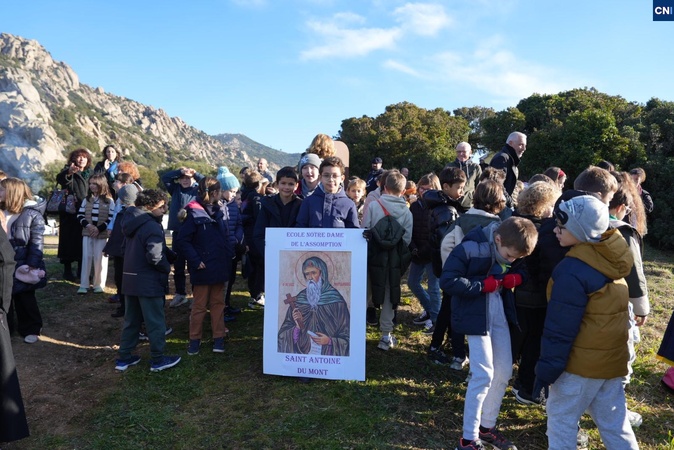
[404,136]
[498,127]
[475,115]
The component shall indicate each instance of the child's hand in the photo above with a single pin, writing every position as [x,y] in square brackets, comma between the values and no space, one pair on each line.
[490,284]
[512,280]
[540,391]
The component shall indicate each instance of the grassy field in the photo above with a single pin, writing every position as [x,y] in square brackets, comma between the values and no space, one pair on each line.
[225,401]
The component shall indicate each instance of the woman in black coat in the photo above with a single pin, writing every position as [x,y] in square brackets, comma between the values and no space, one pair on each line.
[74,177]
[13,424]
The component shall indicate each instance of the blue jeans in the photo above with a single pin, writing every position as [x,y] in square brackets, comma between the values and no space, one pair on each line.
[429,298]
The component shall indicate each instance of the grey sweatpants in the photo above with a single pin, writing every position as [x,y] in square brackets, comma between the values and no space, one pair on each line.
[572,395]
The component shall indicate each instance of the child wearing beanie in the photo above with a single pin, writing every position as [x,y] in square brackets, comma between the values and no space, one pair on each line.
[584,349]
[230,186]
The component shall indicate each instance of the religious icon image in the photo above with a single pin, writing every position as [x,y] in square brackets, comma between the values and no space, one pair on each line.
[316,320]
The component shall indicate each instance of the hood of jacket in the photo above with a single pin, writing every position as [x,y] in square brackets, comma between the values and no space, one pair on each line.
[134,218]
[37,203]
[435,197]
[200,214]
[395,206]
[610,256]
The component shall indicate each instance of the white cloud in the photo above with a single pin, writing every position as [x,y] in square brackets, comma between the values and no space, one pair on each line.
[425,19]
[492,69]
[345,42]
[346,34]
[400,67]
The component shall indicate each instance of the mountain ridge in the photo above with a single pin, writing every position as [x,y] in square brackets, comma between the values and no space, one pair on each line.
[46,112]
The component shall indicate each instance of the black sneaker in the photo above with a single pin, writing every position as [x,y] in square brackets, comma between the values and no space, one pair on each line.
[472,445]
[429,328]
[421,320]
[437,356]
[524,397]
[371,317]
[497,439]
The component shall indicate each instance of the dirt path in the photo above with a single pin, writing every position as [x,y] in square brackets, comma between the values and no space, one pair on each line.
[71,369]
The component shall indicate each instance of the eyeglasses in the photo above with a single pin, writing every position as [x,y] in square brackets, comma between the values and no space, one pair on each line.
[331,176]
[560,226]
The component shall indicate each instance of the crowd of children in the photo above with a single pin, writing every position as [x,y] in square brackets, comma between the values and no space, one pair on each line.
[548,279]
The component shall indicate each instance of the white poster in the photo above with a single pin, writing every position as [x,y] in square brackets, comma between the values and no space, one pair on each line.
[314,314]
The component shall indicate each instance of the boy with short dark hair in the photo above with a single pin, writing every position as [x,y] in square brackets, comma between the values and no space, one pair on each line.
[278,210]
[584,350]
[328,206]
[478,276]
[445,206]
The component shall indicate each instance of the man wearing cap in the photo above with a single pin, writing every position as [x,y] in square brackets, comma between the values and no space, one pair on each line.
[181,184]
[473,171]
[309,164]
[375,173]
[509,158]
[584,351]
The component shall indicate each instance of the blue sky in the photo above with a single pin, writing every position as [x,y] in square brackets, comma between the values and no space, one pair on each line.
[281,71]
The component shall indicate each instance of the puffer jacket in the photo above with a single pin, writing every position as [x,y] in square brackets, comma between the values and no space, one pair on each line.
[462,278]
[204,238]
[586,326]
[27,233]
[321,210]
[146,266]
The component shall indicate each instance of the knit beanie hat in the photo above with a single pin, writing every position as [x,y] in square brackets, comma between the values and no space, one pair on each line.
[127,194]
[310,158]
[585,216]
[228,180]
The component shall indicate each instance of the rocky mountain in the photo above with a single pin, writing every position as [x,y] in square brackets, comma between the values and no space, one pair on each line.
[45,112]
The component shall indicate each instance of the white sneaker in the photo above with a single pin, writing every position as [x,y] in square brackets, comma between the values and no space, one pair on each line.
[458,363]
[259,301]
[31,339]
[387,342]
[634,418]
[178,300]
